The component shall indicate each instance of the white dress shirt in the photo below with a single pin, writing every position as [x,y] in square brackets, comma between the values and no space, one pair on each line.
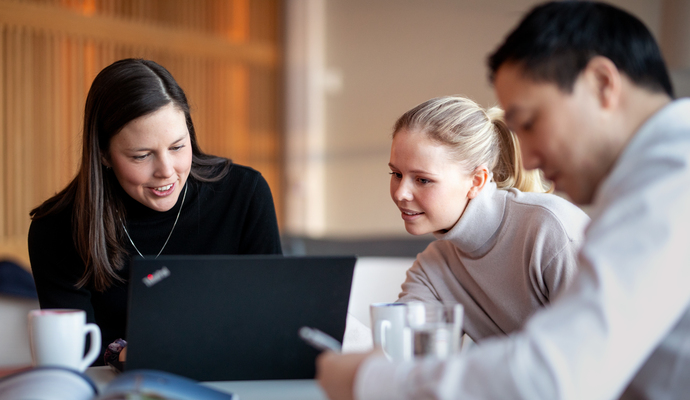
[622,329]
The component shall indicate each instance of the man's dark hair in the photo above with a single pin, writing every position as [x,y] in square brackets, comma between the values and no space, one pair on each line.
[556,40]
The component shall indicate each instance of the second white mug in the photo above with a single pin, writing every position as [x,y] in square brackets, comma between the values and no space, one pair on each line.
[390,331]
[58,336]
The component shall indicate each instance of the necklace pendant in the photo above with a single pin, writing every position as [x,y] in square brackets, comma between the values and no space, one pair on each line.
[169,235]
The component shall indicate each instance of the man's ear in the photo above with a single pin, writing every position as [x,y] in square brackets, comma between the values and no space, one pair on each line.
[605,78]
[479,178]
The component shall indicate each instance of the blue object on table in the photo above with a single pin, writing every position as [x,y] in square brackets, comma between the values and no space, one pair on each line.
[159,384]
[47,383]
[16,281]
[57,383]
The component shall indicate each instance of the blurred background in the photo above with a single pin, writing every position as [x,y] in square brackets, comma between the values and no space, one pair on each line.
[305,91]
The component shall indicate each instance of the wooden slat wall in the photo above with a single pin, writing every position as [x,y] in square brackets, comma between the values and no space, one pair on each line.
[224,53]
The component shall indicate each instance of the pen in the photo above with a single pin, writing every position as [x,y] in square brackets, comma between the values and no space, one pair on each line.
[319,340]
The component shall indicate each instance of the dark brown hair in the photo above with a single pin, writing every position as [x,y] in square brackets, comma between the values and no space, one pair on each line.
[120,93]
[555,41]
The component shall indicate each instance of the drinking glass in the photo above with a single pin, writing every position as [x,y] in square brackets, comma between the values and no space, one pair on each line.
[436,328]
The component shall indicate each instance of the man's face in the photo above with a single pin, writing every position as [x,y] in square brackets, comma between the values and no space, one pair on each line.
[564,134]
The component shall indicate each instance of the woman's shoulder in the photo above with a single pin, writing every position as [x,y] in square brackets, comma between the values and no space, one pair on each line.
[238,180]
[239,171]
[543,208]
[547,202]
[50,238]
[55,222]
[236,175]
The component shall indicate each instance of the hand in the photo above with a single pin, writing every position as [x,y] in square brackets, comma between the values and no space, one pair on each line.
[116,354]
[123,355]
[336,373]
[4,371]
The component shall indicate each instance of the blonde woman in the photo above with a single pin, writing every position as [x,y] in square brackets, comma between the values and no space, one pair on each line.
[505,248]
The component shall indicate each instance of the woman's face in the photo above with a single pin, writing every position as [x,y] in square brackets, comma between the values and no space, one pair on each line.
[152,156]
[428,186]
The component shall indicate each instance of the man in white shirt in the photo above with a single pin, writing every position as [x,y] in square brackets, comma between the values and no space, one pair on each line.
[586,90]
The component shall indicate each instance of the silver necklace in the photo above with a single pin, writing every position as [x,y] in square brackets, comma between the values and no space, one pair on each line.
[171,231]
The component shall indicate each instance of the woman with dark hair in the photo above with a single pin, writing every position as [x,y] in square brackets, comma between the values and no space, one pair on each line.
[144,188]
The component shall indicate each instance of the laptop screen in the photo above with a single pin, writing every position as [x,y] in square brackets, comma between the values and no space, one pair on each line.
[214,318]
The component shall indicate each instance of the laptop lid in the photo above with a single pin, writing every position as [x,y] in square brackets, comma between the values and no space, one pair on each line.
[215,318]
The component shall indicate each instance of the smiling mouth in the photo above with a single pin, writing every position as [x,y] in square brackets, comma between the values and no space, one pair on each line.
[163,188]
[411,212]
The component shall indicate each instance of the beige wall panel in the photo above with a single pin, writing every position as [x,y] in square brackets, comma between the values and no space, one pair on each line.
[390,55]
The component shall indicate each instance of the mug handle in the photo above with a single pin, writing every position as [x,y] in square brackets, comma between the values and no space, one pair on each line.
[385,326]
[95,349]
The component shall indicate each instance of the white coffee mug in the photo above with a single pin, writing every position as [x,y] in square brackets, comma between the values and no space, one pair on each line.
[58,336]
[389,330]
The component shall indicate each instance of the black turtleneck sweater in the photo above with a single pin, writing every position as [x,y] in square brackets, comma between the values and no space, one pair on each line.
[232,216]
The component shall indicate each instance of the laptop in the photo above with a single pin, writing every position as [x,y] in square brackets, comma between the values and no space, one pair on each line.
[218,318]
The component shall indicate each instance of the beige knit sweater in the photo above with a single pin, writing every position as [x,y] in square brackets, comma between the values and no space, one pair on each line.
[508,255]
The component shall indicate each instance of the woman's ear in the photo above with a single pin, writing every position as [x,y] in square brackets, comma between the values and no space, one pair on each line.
[479,178]
[105,162]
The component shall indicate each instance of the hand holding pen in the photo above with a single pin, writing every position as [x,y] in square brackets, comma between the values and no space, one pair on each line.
[319,340]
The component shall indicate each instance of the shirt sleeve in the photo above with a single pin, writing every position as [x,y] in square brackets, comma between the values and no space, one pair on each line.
[56,266]
[561,269]
[417,286]
[557,234]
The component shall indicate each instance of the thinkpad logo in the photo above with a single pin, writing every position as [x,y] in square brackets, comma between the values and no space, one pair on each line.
[151,279]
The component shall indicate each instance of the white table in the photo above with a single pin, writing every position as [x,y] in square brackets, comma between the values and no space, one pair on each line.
[289,389]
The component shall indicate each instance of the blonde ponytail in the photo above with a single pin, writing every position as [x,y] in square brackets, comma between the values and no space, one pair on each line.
[475,137]
[509,172]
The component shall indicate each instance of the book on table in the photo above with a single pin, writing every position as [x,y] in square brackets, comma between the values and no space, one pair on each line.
[56,383]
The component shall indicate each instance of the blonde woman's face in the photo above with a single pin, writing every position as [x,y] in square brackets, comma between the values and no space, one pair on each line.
[152,157]
[430,189]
